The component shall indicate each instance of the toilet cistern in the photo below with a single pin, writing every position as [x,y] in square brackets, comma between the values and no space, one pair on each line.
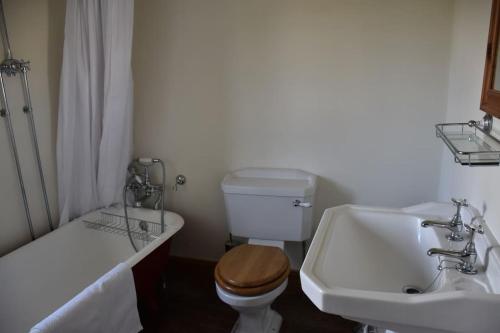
[269,203]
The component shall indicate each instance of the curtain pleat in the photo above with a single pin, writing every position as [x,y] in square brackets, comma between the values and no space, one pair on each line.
[94,136]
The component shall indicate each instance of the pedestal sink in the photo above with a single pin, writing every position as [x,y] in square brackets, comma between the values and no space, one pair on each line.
[366,264]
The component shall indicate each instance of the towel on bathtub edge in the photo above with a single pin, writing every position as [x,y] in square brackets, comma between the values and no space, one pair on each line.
[107,305]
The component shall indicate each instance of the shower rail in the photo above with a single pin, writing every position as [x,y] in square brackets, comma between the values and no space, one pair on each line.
[10,67]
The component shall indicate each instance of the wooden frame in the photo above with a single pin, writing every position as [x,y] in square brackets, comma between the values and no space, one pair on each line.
[490,98]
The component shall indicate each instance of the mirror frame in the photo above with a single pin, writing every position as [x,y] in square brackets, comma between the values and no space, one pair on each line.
[490,98]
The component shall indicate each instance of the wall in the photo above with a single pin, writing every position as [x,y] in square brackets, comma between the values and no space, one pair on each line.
[36,29]
[348,90]
[228,84]
[479,185]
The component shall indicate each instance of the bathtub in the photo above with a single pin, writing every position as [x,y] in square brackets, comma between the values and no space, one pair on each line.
[41,276]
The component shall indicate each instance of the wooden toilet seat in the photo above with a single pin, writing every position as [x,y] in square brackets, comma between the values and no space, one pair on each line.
[251,270]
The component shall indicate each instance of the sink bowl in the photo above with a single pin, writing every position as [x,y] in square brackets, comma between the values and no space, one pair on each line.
[366,263]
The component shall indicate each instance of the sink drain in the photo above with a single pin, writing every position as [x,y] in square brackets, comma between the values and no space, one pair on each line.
[412,290]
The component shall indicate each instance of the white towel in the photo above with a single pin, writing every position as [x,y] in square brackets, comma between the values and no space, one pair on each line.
[107,305]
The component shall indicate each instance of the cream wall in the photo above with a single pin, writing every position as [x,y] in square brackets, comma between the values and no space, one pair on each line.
[36,29]
[228,84]
[348,90]
[480,185]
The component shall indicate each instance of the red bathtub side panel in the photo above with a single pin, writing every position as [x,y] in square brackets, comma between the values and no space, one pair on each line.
[148,275]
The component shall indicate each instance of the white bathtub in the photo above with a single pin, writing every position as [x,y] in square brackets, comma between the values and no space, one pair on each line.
[39,277]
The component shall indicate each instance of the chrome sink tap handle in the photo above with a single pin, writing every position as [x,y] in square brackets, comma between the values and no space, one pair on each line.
[467,256]
[455,224]
[456,220]
[473,229]
[468,264]
[470,247]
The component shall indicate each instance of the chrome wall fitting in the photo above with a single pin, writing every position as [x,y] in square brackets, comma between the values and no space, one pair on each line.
[179,181]
[487,123]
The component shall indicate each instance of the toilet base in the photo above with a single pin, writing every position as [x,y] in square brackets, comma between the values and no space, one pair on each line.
[257,320]
[256,315]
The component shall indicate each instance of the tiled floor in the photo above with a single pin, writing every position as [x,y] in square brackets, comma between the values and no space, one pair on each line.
[192,304]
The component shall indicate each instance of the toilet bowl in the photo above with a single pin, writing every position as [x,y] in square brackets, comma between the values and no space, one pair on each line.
[249,278]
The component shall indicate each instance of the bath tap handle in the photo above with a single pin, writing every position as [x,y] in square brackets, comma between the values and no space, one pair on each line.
[460,202]
[298,203]
[147,160]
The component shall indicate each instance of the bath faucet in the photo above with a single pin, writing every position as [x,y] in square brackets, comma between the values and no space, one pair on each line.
[455,225]
[142,189]
[140,183]
[467,256]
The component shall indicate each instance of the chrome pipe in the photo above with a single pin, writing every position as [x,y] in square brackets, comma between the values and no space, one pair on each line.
[162,190]
[28,109]
[126,219]
[162,217]
[3,32]
[5,113]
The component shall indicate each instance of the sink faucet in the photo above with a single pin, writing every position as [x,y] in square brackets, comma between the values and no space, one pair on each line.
[455,225]
[467,256]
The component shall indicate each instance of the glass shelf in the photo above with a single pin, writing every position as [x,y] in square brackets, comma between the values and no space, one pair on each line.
[470,144]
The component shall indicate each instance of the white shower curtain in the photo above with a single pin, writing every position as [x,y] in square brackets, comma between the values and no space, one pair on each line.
[94,136]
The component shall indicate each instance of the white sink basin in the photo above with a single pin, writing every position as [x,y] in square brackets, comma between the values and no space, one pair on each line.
[361,258]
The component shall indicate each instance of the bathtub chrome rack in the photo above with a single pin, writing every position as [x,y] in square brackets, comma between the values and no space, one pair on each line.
[470,144]
[139,229]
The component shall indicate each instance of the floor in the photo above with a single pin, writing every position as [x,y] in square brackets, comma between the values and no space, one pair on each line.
[192,305]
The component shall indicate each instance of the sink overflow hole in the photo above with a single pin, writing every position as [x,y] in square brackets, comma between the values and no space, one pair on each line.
[412,290]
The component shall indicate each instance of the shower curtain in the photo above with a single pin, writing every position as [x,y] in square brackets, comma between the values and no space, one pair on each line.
[94,136]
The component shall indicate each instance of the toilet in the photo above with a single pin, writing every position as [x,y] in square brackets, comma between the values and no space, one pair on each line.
[267,206]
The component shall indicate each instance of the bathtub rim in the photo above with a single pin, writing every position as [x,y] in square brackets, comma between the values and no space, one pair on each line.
[173,223]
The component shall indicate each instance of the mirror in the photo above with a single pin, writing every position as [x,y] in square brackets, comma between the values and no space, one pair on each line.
[490,97]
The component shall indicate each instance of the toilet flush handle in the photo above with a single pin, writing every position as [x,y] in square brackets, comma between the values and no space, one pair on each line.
[298,203]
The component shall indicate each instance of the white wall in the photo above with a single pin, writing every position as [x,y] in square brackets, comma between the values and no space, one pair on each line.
[36,34]
[480,185]
[349,90]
